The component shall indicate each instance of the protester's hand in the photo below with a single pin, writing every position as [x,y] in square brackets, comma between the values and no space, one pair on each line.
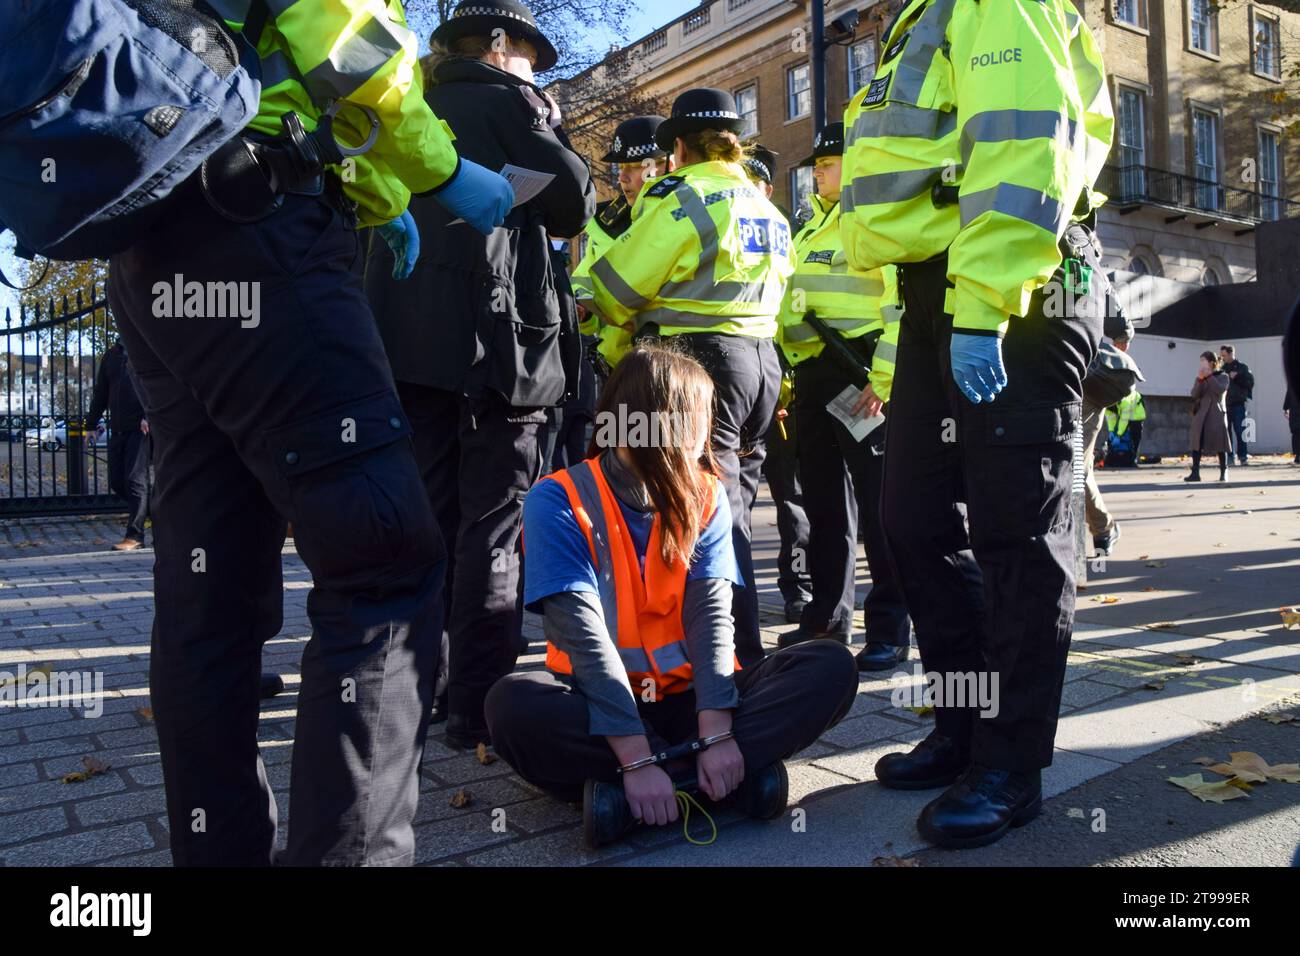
[977,366]
[144,425]
[404,239]
[721,768]
[868,404]
[479,196]
[651,794]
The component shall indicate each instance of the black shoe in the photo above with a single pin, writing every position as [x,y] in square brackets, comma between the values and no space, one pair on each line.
[1104,543]
[464,734]
[764,794]
[879,656]
[1194,476]
[794,610]
[606,814]
[791,638]
[272,684]
[981,807]
[935,762]
[1223,474]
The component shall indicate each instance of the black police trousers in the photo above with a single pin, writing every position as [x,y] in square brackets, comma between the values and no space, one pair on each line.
[269,397]
[130,458]
[787,700]
[998,599]
[781,469]
[478,458]
[841,480]
[746,377]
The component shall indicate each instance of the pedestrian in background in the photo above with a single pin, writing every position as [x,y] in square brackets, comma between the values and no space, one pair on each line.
[1241,389]
[474,337]
[130,449]
[1208,434]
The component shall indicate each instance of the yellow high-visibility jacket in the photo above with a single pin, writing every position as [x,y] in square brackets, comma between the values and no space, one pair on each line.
[706,252]
[611,221]
[850,301]
[1006,101]
[359,52]
[1128,409]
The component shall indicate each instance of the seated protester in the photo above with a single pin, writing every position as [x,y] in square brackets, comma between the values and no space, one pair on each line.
[629,559]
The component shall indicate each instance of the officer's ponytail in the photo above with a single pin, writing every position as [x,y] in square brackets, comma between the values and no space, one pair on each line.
[715,146]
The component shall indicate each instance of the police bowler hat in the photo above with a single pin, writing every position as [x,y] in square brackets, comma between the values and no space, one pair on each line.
[829,142]
[634,140]
[478,18]
[699,109]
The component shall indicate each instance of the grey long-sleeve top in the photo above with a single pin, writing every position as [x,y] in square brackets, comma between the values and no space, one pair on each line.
[574,622]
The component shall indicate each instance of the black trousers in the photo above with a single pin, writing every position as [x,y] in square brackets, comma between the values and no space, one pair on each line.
[746,377]
[288,412]
[842,480]
[130,463]
[477,458]
[1000,598]
[781,469]
[789,699]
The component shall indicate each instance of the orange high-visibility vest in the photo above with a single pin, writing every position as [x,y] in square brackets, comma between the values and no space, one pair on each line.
[643,615]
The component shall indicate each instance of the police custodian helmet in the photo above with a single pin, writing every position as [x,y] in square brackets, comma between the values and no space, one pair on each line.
[634,140]
[699,109]
[478,18]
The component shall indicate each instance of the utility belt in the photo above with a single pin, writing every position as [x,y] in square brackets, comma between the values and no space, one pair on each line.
[247,178]
[852,356]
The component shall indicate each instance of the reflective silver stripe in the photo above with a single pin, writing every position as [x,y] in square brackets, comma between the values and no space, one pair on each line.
[357,60]
[891,313]
[999,126]
[888,187]
[635,660]
[1019,202]
[914,64]
[798,332]
[589,494]
[845,284]
[901,119]
[702,287]
[886,351]
[236,11]
[276,68]
[617,286]
[671,656]
[692,320]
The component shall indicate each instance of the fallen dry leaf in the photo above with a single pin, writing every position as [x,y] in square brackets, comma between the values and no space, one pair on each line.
[1283,717]
[893,861]
[1187,660]
[1075,813]
[921,711]
[1106,599]
[1205,761]
[1214,792]
[44,669]
[1143,557]
[94,767]
[1150,588]
[1290,617]
[1244,765]
[1162,625]
[484,757]
[145,712]
[1155,564]
[1154,685]
[461,798]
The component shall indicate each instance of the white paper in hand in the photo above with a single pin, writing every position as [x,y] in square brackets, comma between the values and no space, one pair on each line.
[841,406]
[527,184]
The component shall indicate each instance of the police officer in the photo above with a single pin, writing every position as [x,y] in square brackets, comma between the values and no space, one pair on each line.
[640,159]
[477,338]
[969,156]
[269,398]
[706,259]
[841,472]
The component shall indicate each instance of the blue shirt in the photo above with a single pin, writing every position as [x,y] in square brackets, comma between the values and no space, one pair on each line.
[557,557]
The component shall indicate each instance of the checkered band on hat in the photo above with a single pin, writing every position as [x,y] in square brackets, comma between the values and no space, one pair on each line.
[488,12]
[760,168]
[711,114]
[645,149]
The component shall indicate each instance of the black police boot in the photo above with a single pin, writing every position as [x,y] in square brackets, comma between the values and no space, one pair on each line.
[1105,543]
[800,636]
[794,609]
[764,794]
[465,734]
[935,762]
[981,807]
[606,814]
[272,684]
[879,656]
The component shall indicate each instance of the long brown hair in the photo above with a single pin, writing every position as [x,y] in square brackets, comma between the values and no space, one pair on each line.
[716,145]
[658,404]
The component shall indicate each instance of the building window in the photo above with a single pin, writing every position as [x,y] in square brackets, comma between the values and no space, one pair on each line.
[798,86]
[655,43]
[1210,277]
[1205,142]
[1139,267]
[1132,12]
[1270,180]
[1203,26]
[1267,46]
[747,107]
[1132,143]
[802,185]
[696,21]
[862,64]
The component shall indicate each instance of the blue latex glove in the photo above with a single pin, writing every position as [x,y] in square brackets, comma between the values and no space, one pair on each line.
[404,239]
[977,366]
[479,196]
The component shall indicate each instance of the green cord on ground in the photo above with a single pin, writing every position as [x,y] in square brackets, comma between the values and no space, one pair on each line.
[686,801]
